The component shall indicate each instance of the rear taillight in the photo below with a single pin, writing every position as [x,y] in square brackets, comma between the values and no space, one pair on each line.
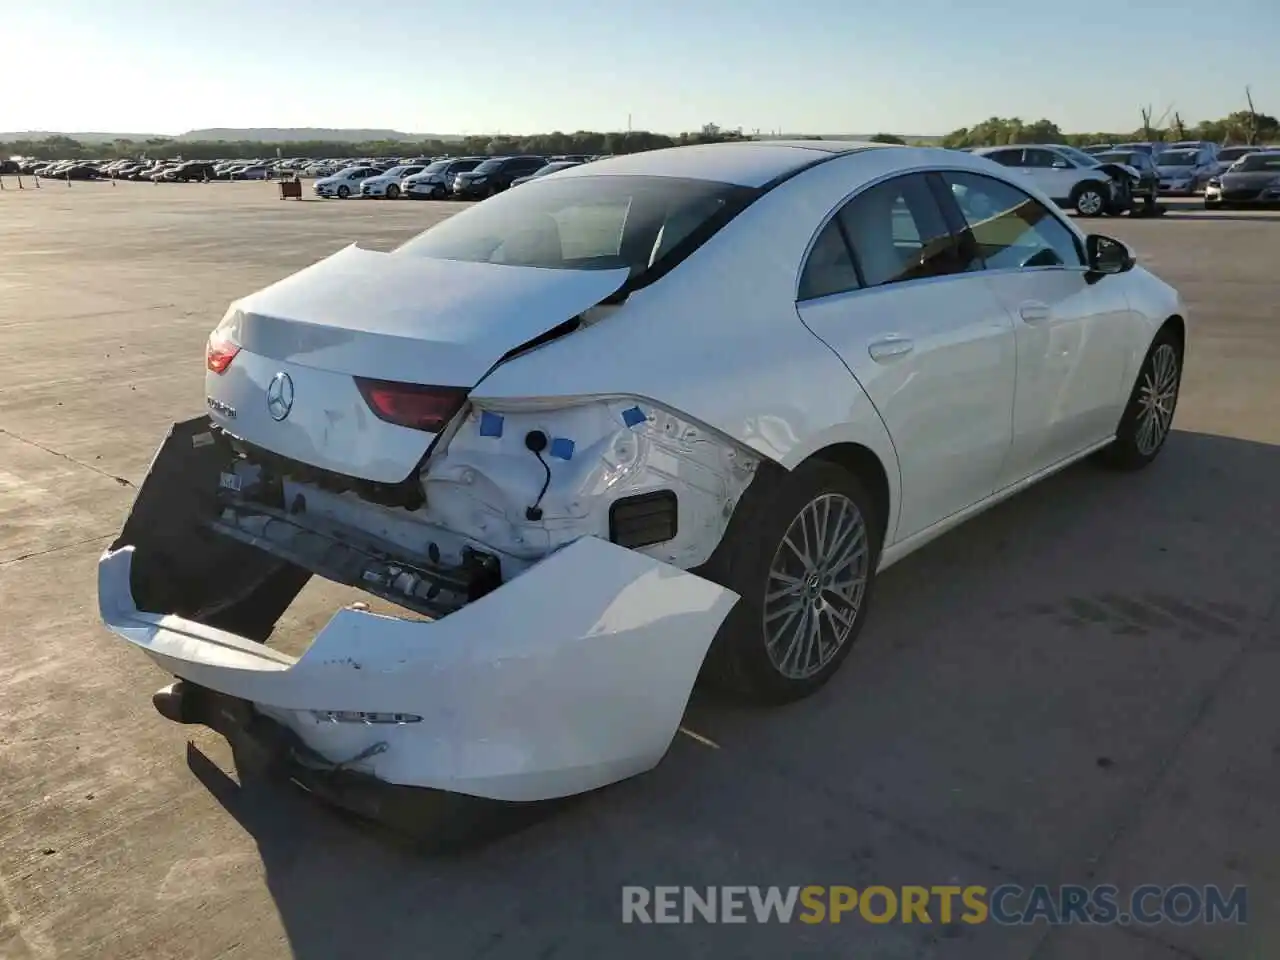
[219,353]
[412,405]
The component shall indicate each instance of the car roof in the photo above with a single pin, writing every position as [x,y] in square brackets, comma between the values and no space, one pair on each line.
[747,163]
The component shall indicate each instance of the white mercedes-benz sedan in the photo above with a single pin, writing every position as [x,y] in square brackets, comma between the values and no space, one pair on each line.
[652,418]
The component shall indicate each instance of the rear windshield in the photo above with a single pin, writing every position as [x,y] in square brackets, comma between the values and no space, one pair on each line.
[587,223]
[1260,161]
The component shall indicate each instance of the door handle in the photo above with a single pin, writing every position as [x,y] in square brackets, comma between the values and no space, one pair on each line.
[890,348]
[1033,312]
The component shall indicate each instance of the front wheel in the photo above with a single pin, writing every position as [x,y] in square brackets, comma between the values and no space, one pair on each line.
[393,192]
[1148,417]
[437,192]
[343,192]
[801,553]
[1089,200]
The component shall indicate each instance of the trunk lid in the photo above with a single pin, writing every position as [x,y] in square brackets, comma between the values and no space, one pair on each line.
[390,317]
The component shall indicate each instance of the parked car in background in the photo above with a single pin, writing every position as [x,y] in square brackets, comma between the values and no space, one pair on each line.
[164,172]
[1253,180]
[257,171]
[436,179]
[1145,186]
[553,167]
[1151,147]
[494,176]
[78,170]
[345,182]
[1096,148]
[185,172]
[195,170]
[1072,179]
[1209,148]
[388,184]
[1184,171]
[1229,155]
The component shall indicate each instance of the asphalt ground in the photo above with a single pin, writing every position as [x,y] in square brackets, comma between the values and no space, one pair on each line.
[1078,686]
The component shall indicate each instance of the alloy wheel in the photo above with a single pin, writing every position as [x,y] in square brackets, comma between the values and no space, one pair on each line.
[1090,203]
[1157,396]
[815,586]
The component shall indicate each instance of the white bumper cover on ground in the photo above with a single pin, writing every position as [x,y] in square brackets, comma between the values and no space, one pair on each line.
[569,677]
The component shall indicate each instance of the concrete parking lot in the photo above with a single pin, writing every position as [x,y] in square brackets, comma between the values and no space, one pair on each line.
[1076,687]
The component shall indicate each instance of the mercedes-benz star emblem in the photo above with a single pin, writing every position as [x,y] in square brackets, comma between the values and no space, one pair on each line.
[280,396]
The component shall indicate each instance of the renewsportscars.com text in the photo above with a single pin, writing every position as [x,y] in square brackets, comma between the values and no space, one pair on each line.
[1006,905]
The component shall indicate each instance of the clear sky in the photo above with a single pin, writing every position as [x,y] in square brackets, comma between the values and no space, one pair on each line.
[516,66]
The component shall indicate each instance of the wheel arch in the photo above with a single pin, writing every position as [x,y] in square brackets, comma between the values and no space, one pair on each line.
[1094,182]
[1177,327]
[866,465]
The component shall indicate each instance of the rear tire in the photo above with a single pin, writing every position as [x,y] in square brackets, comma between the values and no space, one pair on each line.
[1089,200]
[1148,416]
[801,551]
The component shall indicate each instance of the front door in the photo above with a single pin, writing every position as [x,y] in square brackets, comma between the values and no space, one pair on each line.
[1071,330]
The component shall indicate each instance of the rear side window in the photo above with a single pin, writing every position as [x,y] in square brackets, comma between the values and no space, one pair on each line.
[898,233]
[1006,158]
[1037,158]
[1012,230]
[829,268]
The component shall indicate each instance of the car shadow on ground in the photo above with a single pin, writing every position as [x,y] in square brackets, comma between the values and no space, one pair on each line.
[1000,718]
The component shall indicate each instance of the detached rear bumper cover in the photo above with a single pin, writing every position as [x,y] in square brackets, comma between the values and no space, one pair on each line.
[569,677]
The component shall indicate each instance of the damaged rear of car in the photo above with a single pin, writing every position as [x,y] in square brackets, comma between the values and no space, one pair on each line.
[543,549]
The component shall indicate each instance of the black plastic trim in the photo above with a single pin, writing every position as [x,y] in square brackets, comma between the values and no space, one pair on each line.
[644,519]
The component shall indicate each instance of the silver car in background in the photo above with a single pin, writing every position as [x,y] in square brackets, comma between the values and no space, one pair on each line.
[1184,171]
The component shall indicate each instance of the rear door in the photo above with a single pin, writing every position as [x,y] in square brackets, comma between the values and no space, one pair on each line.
[1073,331]
[889,289]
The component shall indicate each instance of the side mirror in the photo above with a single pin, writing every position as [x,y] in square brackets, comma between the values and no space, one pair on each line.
[1107,256]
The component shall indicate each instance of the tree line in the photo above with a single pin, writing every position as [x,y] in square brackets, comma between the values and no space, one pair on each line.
[1242,126]
[545,144]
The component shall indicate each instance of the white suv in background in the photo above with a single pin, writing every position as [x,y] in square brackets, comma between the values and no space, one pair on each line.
[1070,177]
